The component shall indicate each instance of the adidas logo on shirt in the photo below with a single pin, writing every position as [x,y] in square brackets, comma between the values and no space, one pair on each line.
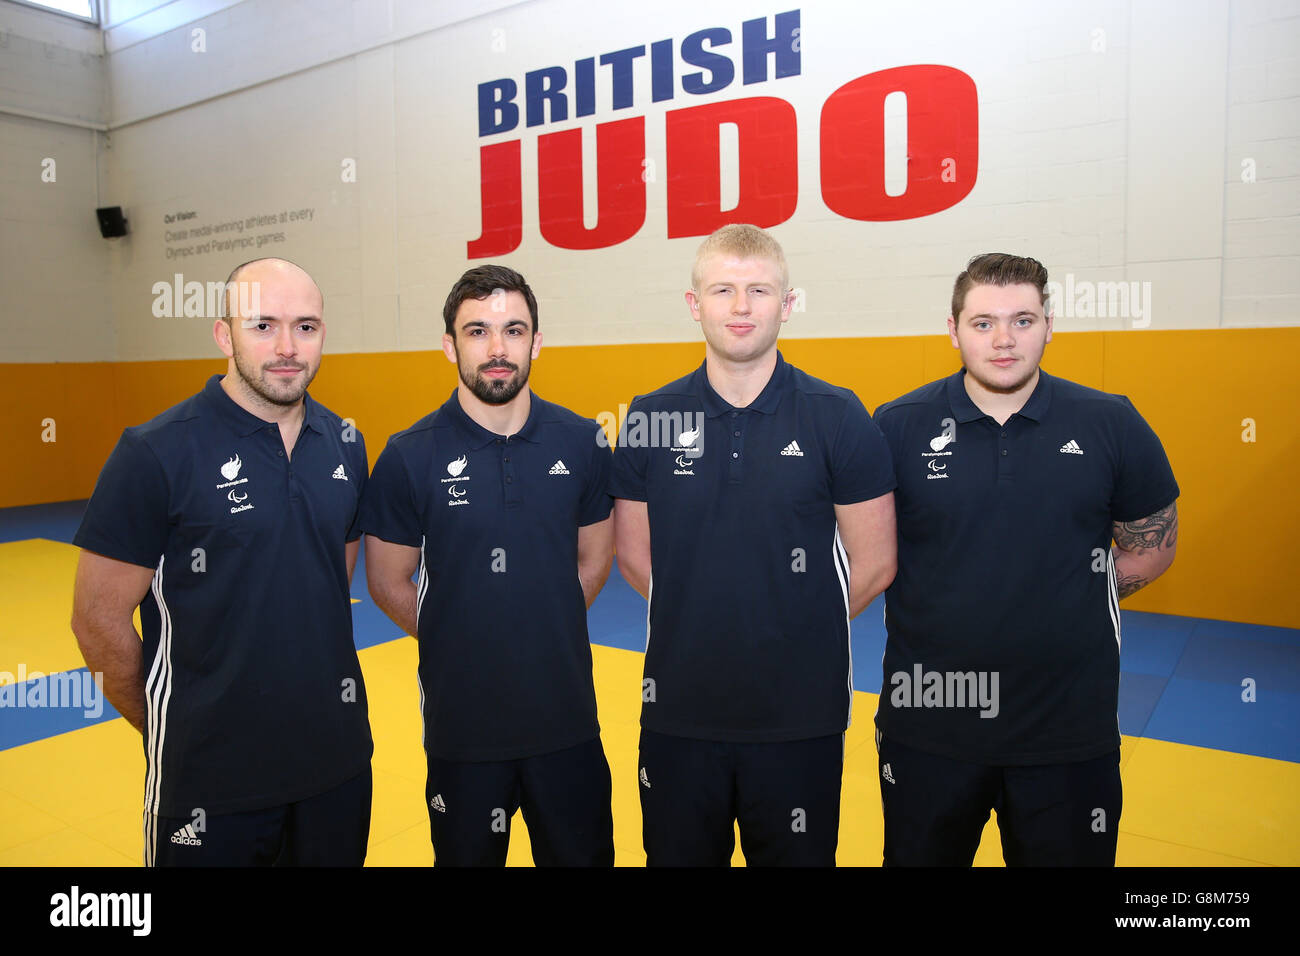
[186,835]
[1071,447]
[558,468]
[645,779]
[437,803]
[792,449]
[887,773]
[340,474]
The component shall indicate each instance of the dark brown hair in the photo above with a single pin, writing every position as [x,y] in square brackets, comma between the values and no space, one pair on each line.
[998,268]
[481,282]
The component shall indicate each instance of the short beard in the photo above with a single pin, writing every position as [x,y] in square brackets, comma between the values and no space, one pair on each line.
[494,391]
[253,383]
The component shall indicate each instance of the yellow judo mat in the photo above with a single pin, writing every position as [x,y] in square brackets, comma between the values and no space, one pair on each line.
[74,799]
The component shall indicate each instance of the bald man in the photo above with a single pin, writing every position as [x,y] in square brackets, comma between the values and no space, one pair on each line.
[230,521]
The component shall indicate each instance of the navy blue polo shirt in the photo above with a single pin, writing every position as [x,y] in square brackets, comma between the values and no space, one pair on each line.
[254,695]
[1004,568]
[748,637]
[505,662]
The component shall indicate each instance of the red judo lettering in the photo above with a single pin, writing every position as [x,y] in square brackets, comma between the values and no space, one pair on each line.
[942,163]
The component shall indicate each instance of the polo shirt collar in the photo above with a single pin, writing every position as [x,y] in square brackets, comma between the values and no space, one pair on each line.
[767,402]
[965,410]
[476,436]
[244,422]
[1036,407]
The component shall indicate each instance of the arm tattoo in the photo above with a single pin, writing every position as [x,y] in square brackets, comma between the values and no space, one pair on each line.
[1129,584]
[1154,531]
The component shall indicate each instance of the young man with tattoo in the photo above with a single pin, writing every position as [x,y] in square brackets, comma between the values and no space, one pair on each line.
[1001,668]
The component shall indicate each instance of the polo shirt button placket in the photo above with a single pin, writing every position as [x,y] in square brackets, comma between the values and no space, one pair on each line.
[735,469]
[507,472]
[1004,465]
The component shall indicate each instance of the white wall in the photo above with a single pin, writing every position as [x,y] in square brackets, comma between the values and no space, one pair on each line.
[51,66]
[1261,238]
[1112,137]
[179,54]
[53,262]
[131,21]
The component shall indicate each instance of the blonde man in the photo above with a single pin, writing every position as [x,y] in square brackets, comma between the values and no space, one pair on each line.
[757,522]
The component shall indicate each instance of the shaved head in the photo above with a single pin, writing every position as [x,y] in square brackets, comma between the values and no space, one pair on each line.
[260,269]
[272,333]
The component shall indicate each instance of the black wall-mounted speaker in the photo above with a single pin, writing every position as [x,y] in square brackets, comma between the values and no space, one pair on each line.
[112,224]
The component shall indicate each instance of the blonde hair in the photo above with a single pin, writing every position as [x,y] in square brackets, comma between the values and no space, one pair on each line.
[744,242]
